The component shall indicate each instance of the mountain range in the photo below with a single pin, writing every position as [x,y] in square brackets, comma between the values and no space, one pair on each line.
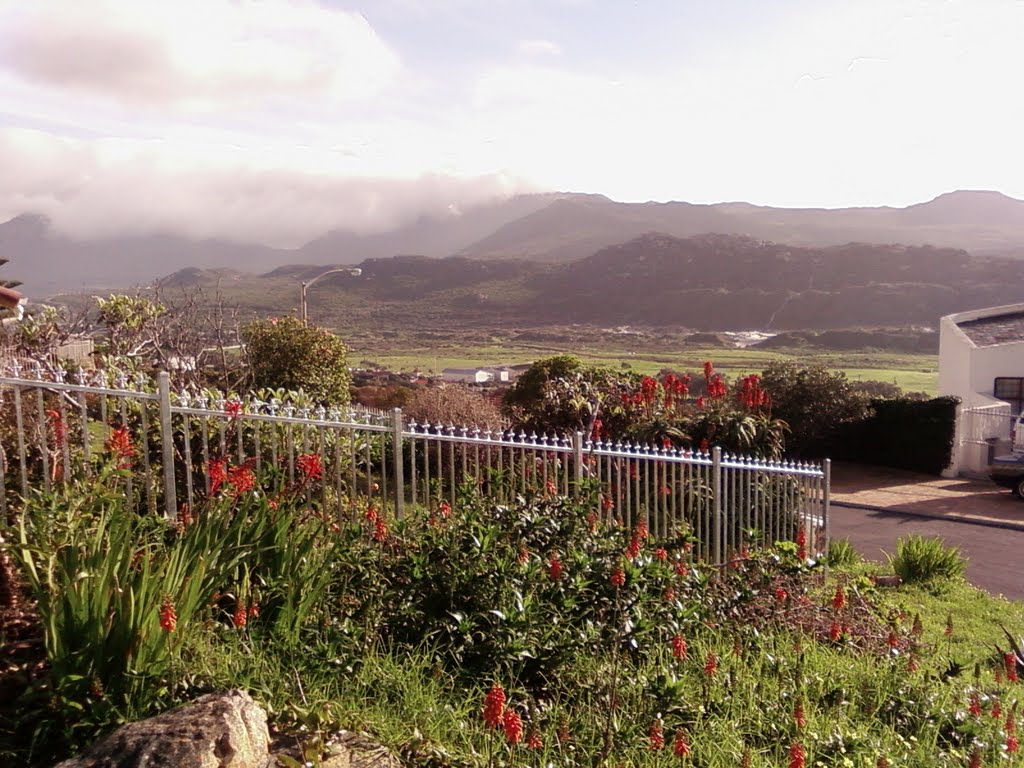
[553,228]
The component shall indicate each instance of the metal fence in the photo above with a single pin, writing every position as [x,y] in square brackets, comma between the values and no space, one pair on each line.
[182,447]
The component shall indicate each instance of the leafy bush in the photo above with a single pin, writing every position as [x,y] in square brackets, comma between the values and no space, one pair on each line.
[813,402]
[286,353]
[920,559]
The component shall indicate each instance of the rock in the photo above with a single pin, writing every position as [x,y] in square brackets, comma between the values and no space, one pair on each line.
[886,581]
[219,730]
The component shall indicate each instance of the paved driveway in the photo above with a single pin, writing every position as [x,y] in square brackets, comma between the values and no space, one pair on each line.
[874,507]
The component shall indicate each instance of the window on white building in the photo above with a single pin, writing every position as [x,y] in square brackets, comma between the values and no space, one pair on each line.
[1010,389]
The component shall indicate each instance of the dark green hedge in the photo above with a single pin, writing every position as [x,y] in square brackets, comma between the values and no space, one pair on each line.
[904,434]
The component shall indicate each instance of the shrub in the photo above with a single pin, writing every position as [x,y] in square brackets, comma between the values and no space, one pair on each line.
[920,559]
[285,353]
[842,554]
[813,401]
[454,404]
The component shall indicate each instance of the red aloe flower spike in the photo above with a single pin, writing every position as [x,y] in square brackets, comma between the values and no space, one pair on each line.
[618,578]
[240,617]
[494,706]
[799,716]
[797,755]
[120,445]
[311,466]
[1010,661]
[974,705]
[711,665]
[839,600]
[656,735]
[380,530]
[681,744]
[781,595]
[661,555]
[975,758]
[534,741]
[513,725]
[801,543]
[168,616]
[555,568]
[679,649]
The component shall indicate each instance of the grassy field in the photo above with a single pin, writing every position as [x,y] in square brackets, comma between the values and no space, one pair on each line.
[913,373]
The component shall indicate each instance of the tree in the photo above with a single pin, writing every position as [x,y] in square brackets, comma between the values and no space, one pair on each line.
[813,401]
[284,352]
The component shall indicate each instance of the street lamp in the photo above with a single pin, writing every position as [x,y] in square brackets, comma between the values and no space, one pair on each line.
[354,271]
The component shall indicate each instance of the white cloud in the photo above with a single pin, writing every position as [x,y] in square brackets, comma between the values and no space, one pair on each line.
[538,47]
[196,54]
[108,187]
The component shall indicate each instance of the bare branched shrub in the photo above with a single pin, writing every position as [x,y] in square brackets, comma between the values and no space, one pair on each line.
[454,404]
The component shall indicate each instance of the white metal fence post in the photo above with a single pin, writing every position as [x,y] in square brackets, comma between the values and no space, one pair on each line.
[396,443]
[167,443]
[577,453]
[826,467]
[716,480]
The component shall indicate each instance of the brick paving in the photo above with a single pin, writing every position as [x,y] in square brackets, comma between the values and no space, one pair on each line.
[958,499]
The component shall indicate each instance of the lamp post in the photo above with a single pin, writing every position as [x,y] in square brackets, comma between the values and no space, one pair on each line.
[303,315]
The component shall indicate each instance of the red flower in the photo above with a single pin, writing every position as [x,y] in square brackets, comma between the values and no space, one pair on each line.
[882,762]
[801,543]
[656,735]
[120,445]
[217,471]
[660,554]
[781,595]
[797,755]
[711,665]
[682,569]
[513,725]
[606,502]
[233,408]
[839,600]
[241,616]
[550,488]
[893,640]
[60,430]
[241,479]
[380,530]
[975,758]
[799,717]
[670,595]
[681,745]
[254,610]
[835,631]
[974,704]
[524,556]
[555,568]
[533,741]
[997,710]
[494,706]
[633,550]
[311,466]
[641,532]
[679,648]
[371,514]
[1011,667]
[445,509]
[618,577]
[168,616]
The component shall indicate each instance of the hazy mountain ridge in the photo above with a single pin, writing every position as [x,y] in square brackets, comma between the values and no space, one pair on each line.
[708,282]
[552,228]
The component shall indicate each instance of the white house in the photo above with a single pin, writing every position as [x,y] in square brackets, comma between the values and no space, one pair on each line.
[503,374]
[981,361]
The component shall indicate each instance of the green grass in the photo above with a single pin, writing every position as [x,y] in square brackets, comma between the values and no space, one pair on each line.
[913,373]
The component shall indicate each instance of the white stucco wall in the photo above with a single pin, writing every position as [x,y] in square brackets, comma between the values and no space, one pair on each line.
[968,372]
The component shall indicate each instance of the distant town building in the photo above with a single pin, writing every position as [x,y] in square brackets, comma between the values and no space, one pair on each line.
[499,374]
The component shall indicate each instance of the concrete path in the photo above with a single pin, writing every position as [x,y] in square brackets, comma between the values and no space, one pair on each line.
[970,501]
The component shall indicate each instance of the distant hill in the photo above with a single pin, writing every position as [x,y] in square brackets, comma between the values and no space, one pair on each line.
[552,228]
[705,283]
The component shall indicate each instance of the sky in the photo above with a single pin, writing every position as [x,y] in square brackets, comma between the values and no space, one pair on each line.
[275,121]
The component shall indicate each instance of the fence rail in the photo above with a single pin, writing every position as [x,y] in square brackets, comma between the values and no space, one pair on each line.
[185,446]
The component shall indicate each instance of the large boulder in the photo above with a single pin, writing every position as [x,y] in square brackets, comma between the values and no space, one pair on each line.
[219,730]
